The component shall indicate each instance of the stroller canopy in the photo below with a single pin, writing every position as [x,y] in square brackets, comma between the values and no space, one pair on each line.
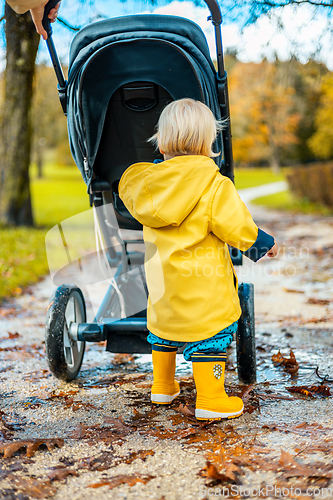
[170,53]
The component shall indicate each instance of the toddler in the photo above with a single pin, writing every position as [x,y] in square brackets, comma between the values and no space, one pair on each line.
[190,214]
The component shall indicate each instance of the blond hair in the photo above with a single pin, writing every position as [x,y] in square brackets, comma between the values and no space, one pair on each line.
[186,127]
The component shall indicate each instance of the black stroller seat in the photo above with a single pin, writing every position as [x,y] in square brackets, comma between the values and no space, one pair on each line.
[142,62]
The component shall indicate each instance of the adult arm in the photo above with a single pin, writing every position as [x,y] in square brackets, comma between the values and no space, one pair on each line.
[22,6]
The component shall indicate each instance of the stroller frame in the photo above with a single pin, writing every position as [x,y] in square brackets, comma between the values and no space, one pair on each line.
[66,326]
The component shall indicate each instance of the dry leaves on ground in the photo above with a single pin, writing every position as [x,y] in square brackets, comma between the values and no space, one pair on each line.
[20,487]
[8,311]
[115,380]
[229,458]
[130,479]
[315,473]
[319,302]
[289,364]
[109,459]
[60,472]
[28,487]
[31,445]
[229,476]
[10,336]
[312,390]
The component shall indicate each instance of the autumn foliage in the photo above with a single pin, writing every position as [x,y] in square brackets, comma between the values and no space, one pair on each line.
[314,183]
[280,111]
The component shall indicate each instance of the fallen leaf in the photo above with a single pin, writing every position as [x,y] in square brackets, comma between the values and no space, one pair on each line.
[319,302]
[99,485]
[37,375]
[63,394]
[245,395]
[289,364]
[11,336]
[187,409]
[130,480]
[96,433]
[274,396]
[122,359]
[80,405]
[118,423]
[8,311]
[324,319]
[312,391]
[60,473]
[31,487]
[116,380]
[31,446]
[294,469]
[141,454]
[210,472]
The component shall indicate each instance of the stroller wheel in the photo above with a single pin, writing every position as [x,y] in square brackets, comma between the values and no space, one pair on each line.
[64,355]
[246,342]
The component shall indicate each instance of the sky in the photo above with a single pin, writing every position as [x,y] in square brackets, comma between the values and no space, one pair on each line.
[305,33]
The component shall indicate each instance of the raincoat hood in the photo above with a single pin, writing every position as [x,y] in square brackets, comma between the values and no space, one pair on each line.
[163,194]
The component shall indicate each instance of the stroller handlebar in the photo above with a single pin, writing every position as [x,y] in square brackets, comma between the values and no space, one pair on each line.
[46,22]
[227,167]
[62,84]
[215,11]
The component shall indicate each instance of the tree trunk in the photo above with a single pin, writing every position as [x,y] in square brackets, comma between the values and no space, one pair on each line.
[274,154]
[39,161]
[15,130]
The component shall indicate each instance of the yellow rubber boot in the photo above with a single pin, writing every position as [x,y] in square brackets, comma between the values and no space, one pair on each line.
[165,388]
[212,401]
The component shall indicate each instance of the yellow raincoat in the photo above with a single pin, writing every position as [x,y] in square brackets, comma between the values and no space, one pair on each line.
[189,213]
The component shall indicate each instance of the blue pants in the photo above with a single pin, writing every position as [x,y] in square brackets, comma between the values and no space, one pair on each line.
[211,349]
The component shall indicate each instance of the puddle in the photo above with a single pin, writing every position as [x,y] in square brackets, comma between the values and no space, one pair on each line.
[309,348]
[97,391]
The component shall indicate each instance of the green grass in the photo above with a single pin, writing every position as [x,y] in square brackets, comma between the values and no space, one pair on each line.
[251,177]
[22,259]
[286,201]
[60,194]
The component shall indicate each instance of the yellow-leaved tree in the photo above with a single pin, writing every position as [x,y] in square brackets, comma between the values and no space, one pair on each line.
[321,142]
[264,114]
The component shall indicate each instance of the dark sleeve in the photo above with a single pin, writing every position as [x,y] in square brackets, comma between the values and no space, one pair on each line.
[260,247]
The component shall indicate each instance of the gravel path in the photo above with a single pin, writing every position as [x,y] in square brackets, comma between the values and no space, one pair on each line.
[98,437]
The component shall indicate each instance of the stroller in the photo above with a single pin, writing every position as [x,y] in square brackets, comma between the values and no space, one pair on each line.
[122,73]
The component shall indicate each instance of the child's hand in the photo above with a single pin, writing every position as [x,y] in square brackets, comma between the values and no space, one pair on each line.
[273,251]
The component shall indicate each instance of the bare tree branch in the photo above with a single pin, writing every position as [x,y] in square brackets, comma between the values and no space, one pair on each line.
[69,26]
[273,4]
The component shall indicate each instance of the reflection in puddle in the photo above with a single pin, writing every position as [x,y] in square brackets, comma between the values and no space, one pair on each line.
[98,361]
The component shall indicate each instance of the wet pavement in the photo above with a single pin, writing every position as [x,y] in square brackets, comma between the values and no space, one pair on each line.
[99,437]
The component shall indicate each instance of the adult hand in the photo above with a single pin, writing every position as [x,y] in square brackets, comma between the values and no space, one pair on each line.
[37,15]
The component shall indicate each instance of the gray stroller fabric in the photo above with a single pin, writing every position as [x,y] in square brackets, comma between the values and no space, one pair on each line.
[168,51]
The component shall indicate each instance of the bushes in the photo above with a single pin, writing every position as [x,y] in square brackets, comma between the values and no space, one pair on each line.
[314,183]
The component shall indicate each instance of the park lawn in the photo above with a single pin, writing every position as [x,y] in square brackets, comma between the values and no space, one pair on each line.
[60,194]
[251,177]
[286,201]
